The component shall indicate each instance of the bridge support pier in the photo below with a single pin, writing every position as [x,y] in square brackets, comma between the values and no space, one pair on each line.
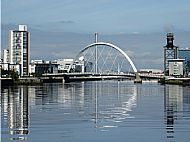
[137,78]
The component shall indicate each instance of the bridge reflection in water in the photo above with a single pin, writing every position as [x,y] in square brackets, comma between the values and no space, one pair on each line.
[101,104]
[117,113]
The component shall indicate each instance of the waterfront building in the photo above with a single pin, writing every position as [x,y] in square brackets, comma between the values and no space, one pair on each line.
[19,48]
[64,64]
[155,71]
[40,67]
[37,61]
[185,54]
[5,59]
[32,65]
[46,68]
[170,52]
[176,67]
[5,55]
[88,66]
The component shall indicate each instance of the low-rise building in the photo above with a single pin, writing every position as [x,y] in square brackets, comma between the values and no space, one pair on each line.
[63,64]
[154,71]
[46,68]
[39,67]
[176,67]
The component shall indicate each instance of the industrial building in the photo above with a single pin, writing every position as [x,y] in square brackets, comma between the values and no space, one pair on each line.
[170,52]
[175,58]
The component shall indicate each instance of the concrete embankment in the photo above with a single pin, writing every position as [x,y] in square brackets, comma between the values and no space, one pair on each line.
[29,81]
[176,81]
[6,81]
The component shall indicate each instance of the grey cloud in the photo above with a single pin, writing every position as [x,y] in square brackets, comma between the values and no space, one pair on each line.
[130,53]
[67,22]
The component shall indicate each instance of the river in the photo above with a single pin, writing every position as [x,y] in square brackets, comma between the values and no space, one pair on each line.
[99,111]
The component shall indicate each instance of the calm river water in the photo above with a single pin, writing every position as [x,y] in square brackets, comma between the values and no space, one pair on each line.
[102,111]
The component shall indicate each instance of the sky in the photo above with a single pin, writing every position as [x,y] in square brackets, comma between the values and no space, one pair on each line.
[55,24]
[105,16]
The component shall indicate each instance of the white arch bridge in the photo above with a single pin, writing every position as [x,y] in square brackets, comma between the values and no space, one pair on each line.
[101,60]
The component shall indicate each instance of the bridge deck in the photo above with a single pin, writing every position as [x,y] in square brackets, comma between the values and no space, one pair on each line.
[99,76]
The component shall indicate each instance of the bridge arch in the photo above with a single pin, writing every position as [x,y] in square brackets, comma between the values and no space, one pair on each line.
[111,46]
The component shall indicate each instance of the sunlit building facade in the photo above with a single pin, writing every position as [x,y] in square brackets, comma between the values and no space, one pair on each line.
[19,48]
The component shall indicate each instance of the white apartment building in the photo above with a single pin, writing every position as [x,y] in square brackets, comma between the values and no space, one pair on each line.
[176,67]
[5,59]
[5,55]
[19,48]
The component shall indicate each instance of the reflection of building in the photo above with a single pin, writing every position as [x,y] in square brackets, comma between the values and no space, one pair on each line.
[185,54]
[173,103]
[16,106]
[46,94]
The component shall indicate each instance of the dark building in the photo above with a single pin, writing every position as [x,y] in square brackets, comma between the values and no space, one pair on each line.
[170,52]
[185,54]
[46,68]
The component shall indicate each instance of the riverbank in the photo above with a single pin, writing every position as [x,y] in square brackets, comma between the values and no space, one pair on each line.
[41,80]
[20,81]
[175,81]
[28,81]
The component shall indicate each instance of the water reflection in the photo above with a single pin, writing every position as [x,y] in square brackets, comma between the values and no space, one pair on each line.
[95,101]
[176,104]
[15,111]
[68,109]
[116,107]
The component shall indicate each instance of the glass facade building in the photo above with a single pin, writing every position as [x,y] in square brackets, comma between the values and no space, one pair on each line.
[185,54]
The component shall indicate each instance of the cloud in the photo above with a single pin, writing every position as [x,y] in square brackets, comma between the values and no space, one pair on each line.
[130,53]
[135,33]
[63,54]
[143,55]
[169,28]
[67,22]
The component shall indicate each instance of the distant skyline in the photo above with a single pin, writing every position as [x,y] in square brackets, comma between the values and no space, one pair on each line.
[61,28]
